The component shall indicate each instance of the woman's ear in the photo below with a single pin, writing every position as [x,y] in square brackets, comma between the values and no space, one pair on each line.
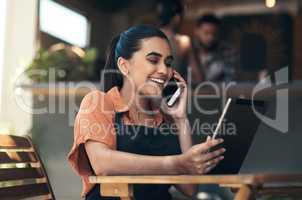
[123,66]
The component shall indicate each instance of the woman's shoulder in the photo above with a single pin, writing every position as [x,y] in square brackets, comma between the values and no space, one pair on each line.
[93,94]
[96,101]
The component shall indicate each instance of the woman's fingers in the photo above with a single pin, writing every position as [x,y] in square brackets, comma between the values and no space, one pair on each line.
[212,164]
[210,160]
[199,158]
[178,77]
[206,146]
[204,159]
[211,155]
[208,169]
[214,161]
[205,167]
[181,83]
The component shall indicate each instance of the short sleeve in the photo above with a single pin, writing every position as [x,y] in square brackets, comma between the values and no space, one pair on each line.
[93,122]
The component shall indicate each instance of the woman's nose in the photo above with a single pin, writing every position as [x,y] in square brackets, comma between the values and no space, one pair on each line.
[162,69]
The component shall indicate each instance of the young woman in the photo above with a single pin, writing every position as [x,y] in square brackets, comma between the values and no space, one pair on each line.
[118,132]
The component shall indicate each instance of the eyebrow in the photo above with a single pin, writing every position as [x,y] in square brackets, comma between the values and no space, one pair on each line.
[159,55]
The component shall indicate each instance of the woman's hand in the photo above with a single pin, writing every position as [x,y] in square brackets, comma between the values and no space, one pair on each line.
[199,159]
[178,111]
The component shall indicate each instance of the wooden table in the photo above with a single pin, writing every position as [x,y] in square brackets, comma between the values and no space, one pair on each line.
[246,186]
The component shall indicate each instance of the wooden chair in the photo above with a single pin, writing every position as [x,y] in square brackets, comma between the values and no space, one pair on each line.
[246,187]
[22,174]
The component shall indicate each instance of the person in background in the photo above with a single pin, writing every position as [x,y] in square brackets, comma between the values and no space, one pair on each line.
[170,14]
[211,58]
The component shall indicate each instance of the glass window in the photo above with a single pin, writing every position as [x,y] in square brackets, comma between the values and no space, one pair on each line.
[64,23]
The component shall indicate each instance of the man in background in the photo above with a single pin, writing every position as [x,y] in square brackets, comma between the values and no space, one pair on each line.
[170,14]
[211,58]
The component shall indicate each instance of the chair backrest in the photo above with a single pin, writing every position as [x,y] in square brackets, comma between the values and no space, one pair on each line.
[22,174]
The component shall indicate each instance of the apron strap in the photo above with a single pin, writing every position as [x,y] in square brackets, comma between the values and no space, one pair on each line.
[118,118]
[118,122]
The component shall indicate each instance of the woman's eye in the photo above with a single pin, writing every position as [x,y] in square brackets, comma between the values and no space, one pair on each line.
[153,61]
[168,64]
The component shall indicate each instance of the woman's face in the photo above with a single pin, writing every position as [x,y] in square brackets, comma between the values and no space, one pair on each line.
[150,67]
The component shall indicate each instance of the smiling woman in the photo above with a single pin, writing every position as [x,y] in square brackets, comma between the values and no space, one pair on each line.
[124,50]
[138,68]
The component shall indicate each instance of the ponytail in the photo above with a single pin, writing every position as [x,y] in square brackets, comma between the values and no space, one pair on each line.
[111,74]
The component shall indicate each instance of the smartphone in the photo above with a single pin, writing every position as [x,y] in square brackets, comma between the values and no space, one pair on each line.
[171,92]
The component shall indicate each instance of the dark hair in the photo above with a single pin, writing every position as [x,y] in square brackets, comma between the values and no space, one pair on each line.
[208,18]
[168,9]
[124,45]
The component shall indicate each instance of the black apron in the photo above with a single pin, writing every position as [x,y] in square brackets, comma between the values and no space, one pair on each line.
[145,141]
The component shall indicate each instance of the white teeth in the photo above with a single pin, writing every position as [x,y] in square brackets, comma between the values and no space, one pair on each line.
[157,80]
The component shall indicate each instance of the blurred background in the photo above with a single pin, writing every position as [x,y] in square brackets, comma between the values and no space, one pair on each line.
[64,42]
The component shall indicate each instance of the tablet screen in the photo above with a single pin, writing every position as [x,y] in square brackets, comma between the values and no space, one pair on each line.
[238,134]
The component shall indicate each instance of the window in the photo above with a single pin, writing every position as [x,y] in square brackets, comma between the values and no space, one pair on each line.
[63,23]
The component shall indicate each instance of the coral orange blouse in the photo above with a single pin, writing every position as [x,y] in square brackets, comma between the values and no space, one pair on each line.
[95,121]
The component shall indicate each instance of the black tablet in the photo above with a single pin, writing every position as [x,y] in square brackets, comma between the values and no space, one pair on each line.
[239,127]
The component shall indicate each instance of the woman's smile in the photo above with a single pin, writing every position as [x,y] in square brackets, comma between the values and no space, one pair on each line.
[159,81]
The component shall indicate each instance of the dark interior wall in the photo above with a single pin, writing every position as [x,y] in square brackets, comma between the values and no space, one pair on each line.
[106,23]
[297,47]
[264,41]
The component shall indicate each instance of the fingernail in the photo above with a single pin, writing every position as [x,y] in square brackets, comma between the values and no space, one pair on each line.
[223,149]
[221,157]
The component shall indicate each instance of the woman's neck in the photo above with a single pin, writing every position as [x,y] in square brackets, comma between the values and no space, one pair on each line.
[136,103]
